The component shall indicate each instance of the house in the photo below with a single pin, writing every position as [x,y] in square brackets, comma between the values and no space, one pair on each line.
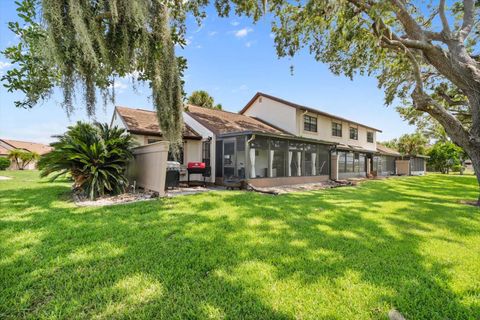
[6,145]
[270,142]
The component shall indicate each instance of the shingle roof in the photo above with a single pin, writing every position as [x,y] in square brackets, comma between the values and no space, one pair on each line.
[3,151]
[39,148]
[386,150]
[298,106]
[224,122]
[145,122]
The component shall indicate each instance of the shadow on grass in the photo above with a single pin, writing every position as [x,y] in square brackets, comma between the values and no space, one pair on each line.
[344,253]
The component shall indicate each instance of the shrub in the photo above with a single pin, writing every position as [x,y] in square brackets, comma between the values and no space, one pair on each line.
[22,158]
[4,163]
[94,155]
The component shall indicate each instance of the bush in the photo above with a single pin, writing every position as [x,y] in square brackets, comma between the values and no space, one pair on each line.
[4,163]
[94,155]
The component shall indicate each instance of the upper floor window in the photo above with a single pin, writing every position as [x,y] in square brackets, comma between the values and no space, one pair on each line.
[353,133]
[336,129]
[370,136]
[309,123]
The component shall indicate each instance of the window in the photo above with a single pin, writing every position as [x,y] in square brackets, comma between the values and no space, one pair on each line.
[353,133]
[370,136]
[336,129]
[176,157]
[309,123]
[206,153]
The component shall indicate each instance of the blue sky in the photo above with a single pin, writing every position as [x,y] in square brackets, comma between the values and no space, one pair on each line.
[230,58]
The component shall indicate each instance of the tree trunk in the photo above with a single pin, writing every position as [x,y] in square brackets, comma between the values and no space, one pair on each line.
[475,157]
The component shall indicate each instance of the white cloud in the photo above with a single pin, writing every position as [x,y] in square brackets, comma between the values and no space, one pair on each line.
[272,35]
[243,32]
[212,33]
[248,44]
[243,87]
[198,46]
[234,23]
[4,65]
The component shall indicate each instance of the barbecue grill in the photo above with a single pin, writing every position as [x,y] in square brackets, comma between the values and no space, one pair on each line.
[198,168]
[172,177]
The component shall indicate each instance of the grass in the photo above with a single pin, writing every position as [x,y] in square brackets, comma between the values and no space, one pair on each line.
[346,253]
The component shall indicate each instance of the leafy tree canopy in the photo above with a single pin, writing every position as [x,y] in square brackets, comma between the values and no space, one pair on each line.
[409,144]
[203,99]
[445,156]
[83,46]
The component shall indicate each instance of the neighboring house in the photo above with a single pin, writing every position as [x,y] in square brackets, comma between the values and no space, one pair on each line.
[6,145]
[271,141]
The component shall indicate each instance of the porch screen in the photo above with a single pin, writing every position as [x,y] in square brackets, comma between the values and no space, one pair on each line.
[278,158]
[341,162]
[417,164]
[259,157]
[296,163]
[323,161]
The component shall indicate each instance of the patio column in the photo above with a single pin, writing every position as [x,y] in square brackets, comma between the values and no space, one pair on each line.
[334,167]
[270,165]
[314,164]
[299,162]
[252,163]
[289,168]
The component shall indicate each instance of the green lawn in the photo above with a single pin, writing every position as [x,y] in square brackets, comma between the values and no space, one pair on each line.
[346,253]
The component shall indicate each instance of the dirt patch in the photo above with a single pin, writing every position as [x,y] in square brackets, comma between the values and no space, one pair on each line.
[303,187]
[470,203]
[114,200]
[184,191]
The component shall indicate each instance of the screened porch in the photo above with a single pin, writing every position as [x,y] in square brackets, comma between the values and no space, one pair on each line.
[256,156]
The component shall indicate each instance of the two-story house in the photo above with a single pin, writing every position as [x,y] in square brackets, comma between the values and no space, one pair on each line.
[271,141]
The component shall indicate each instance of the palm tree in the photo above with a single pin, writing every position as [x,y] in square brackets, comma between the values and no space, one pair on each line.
[22,158]
[94,155]
[203,99]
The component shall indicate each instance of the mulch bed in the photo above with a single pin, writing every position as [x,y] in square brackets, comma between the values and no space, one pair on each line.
[114,200]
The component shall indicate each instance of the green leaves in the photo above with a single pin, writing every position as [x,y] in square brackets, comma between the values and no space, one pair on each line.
[84,45]
[203,99]
[96,156]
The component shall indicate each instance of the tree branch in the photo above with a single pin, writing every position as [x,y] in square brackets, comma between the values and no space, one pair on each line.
[468,19]
[446,27]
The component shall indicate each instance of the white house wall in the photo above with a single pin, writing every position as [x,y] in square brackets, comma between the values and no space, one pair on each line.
[275,113]
[324,131]
[206,134]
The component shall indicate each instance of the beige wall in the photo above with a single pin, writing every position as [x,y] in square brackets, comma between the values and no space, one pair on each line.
[324,131]
[149,166]
[275,113]
[291,119]
[402,167]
